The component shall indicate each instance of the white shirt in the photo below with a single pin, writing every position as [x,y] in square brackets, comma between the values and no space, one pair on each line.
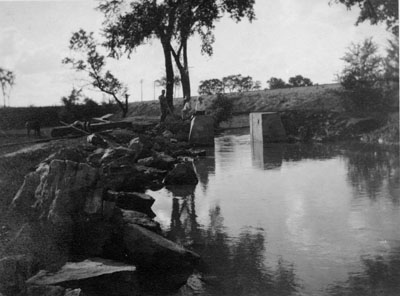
[200,106]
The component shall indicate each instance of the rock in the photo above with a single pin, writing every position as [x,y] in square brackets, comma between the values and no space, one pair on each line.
[136,145]
[197,152]
[151,173]
[72,154]
[96,276]
[150,250]
[48,245]
[122,136]
[116,153]
[202,131]
[14,270]
[91,237]
[63,191]
[74,292]
[95,157]
[133,201]
[96,140]
[34,290]
[158,160]
[141,219]
[182,174]
[167,134]
[25,196]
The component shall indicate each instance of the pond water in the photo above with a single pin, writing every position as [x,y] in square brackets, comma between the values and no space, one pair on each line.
[290,219]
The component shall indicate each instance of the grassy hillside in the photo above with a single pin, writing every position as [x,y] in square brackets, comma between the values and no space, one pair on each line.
[319,97]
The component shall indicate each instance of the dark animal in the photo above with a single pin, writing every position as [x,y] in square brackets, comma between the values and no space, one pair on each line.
[33,125]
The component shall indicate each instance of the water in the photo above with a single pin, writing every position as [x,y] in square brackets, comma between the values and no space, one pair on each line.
[290,219]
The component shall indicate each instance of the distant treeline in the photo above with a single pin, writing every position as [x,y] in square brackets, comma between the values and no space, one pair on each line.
[15,117]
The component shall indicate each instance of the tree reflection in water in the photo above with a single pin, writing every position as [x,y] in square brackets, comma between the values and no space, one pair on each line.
[231,266]
[373,169]
[380,276]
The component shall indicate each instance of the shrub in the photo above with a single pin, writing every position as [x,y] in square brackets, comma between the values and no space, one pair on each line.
[221,109]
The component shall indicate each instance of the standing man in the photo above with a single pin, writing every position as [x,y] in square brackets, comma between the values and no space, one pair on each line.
[200,108]
[163,106]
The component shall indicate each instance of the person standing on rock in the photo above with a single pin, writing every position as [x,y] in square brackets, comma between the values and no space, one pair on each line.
[200,108]
[163,106]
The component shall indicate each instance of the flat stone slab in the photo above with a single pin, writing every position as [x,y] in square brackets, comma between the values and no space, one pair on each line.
[72,271]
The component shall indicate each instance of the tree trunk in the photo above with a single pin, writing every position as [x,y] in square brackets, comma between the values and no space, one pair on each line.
[183,69]
[169,74]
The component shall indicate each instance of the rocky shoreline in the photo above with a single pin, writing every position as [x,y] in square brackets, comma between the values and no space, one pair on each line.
[88,225]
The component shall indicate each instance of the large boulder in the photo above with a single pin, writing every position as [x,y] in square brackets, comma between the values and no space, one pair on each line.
[141,219]
[118,154]
[93,276]
[182,174]
[14,270]
[65,189]
[134,201]
[160,161]
[48,245]
[202,131]
[72,154]
[152,251]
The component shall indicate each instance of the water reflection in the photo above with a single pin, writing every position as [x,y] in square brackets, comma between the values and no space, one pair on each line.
[374,169]
[291,219]
[267,156]
[380,276]
[204,168]
[236,266]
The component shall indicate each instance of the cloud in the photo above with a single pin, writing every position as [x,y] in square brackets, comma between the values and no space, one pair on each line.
[39,60]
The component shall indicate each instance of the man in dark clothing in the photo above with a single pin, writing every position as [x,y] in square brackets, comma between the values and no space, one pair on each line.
[163,106]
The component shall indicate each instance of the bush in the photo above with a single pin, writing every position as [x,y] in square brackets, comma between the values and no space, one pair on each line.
[221,109]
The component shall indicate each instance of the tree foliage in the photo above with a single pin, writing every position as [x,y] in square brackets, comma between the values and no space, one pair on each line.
[276,83]
[211,87]
[173,22]
[363,77]
[93,64]
[78,107]
[391,61]
[221,109]
[376,11]
[364,66]
[7,81]
[239,83]
[299,81]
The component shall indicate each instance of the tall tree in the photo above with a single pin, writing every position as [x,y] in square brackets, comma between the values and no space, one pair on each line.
[376,11]
[7,81]
[173,22]
[364,66]
[199,16]
[93,64]
[140,22]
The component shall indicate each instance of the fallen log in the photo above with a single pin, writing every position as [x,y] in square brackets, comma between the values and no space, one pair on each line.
[61,131]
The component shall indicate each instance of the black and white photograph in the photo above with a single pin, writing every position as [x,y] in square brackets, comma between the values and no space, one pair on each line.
[199,148]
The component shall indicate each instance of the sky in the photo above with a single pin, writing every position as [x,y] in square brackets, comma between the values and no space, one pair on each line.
[288,37]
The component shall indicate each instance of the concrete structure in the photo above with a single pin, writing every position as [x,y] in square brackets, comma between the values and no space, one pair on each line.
[266,127]
[202,131]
